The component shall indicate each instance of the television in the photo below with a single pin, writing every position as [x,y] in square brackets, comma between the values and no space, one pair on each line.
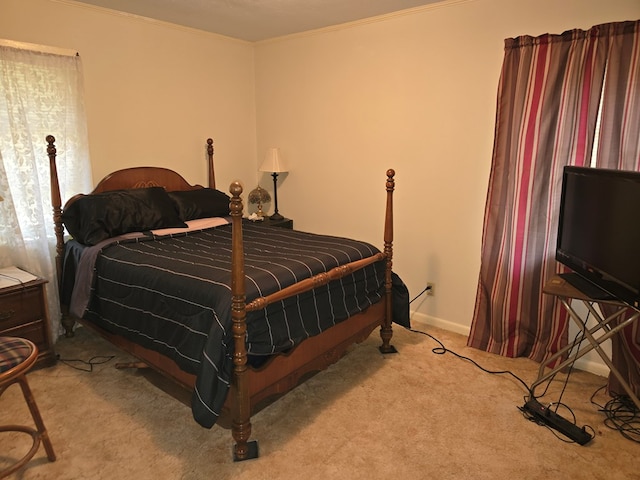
[599,232]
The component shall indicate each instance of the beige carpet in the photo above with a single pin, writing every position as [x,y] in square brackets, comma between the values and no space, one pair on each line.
[414,415]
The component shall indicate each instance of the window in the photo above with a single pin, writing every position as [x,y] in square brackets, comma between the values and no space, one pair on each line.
[41,93]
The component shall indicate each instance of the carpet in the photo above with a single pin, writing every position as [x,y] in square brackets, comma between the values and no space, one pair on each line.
[411,415]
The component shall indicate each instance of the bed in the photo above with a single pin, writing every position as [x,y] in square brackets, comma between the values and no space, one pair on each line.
[234,312]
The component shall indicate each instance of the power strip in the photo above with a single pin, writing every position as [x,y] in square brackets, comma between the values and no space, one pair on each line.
[555,421]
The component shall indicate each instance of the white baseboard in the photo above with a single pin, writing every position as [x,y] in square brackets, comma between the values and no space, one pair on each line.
[422,319]
[597,367]
[594,367]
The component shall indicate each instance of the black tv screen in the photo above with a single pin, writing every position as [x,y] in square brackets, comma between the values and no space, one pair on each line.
[599,229]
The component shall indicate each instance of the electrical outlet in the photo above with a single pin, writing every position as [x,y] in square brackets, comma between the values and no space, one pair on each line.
[431,289]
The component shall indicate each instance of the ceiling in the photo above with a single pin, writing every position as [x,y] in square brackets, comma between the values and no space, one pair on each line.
[255,20]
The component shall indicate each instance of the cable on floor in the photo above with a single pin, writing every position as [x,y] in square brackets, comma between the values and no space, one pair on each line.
[86,365]
[441,350]
[621,413]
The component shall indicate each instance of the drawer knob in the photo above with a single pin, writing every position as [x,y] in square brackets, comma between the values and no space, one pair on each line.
[7,315]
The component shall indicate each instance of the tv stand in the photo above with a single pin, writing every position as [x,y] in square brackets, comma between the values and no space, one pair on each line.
[585,286]
[602,331]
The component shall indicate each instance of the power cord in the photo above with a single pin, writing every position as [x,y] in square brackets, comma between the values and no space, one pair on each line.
[426,289]
[589,432]
[441,350]
[579,336]
[87,365]
[622,415]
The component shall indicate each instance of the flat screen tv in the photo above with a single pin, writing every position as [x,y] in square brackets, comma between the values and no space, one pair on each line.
[599,231]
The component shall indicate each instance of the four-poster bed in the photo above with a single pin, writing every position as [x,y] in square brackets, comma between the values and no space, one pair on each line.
[287,303]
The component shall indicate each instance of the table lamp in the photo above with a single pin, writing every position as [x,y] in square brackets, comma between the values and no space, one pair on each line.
[259,196]
[274,163]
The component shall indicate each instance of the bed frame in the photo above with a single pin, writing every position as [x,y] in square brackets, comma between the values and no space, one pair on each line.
[251,388]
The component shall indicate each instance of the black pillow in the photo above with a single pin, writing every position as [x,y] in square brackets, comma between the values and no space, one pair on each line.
[200,203]
[93,218]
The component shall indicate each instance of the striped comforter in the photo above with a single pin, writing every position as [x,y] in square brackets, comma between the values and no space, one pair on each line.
[172,294]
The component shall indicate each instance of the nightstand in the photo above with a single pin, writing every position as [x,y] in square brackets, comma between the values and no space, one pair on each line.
[24,313]
[284,223]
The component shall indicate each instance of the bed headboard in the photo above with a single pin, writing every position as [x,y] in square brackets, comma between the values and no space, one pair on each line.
[143,177]
[134,177]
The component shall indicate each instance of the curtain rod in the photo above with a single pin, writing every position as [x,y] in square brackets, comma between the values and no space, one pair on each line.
[38,48]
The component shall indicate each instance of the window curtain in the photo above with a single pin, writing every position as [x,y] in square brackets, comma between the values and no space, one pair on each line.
[619,148]
[40,94]
[547,108]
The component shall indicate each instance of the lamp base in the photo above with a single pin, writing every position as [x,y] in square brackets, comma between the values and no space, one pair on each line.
[276,216]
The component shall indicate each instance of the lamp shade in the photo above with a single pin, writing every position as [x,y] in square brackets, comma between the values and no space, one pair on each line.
[273,162]
[259,195]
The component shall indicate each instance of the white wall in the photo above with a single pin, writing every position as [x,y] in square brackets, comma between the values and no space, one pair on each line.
[412,91]
[154,91]
[415,92]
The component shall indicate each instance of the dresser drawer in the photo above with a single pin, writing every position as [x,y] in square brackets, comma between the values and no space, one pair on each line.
[20,307]
[34,331]
[23,313]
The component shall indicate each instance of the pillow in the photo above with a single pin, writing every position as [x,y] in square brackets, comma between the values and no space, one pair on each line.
[93,218]
[200,203]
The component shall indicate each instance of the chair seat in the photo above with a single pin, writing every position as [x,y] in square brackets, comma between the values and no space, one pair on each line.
[17,356]
[14,351]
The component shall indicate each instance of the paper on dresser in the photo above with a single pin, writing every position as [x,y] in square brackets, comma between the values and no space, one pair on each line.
[14,276]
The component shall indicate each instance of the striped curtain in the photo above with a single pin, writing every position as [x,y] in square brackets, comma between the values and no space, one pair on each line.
[547,108]
[619,148]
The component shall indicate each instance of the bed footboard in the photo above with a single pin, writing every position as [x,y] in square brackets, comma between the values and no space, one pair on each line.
[241,407]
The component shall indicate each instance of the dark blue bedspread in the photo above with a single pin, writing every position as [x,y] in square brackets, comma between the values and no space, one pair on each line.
[172,294]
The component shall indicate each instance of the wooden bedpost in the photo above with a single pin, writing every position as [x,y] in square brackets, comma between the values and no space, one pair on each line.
[386,331]
[241,415]
[56,203]
[212,176]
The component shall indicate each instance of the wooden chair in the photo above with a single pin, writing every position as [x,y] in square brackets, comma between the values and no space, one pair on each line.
[17,356]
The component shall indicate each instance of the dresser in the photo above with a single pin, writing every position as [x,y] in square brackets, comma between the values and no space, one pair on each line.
[283,223]
[24,313]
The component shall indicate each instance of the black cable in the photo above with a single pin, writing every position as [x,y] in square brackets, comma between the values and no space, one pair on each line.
[441,350]
[87,365]
[427,288]
[621,413]
[532,418]
[579,336]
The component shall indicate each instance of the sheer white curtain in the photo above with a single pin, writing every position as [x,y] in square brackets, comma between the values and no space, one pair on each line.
[41,93]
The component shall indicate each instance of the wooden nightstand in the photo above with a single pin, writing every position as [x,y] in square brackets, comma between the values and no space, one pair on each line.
[24,313]
[284,223]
